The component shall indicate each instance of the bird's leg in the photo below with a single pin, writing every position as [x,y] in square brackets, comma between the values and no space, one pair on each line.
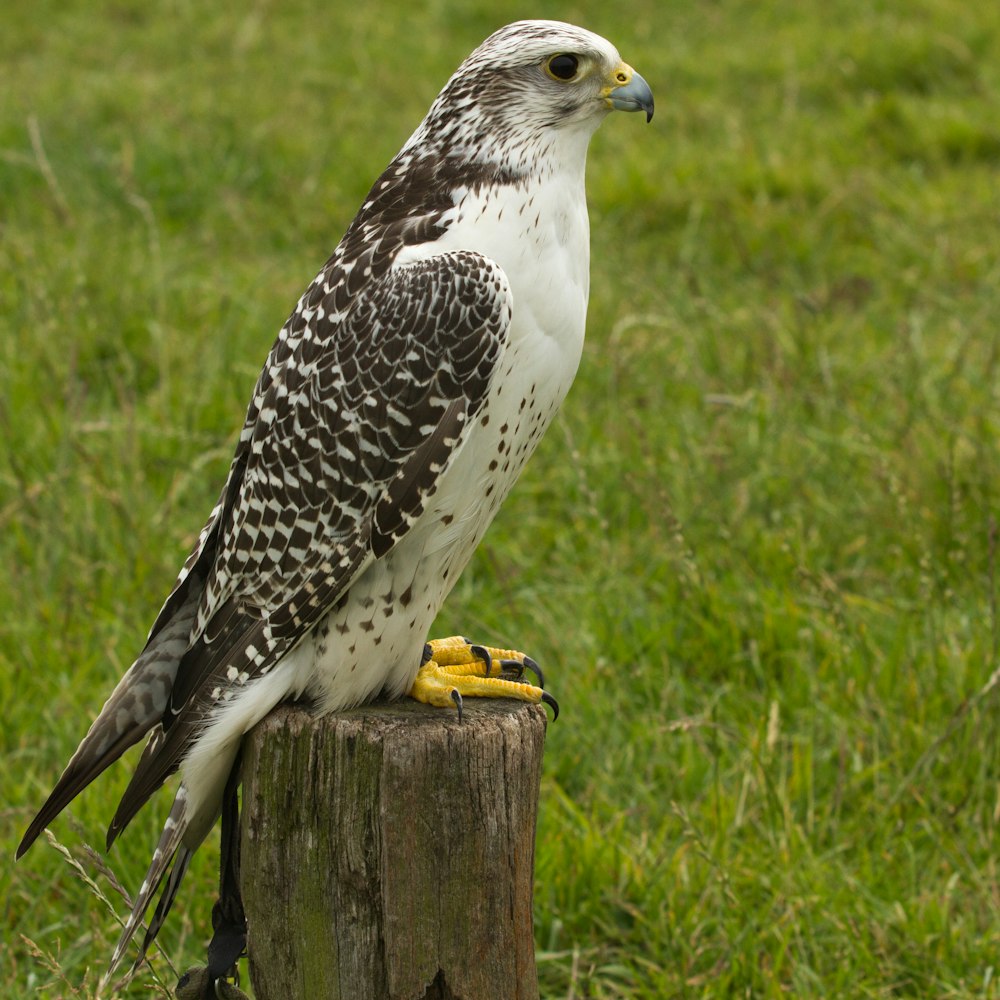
[454,668]
[211,981]
[228,919]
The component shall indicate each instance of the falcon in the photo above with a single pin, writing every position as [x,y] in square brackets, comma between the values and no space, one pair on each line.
[402,398]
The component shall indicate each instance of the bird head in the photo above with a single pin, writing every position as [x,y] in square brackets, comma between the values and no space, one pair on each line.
[531,79]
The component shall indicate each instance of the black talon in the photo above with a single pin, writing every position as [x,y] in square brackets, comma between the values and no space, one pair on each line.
[515,667]
[428,654]
[482,653]
[456,697]
[549,700]
[530,664]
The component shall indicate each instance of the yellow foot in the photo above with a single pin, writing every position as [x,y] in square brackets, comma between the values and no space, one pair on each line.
[454,668]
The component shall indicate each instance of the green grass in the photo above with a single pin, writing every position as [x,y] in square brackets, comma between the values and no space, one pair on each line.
[756,553]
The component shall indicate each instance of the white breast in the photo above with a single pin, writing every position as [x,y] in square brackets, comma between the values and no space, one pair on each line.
[539,235]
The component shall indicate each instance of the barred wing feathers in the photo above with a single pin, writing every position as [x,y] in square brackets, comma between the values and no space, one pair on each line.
[352,435]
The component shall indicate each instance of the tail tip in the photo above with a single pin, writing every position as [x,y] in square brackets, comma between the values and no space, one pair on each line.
[30,836]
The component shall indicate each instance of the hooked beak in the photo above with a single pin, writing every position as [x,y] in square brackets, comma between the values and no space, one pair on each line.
[630,92]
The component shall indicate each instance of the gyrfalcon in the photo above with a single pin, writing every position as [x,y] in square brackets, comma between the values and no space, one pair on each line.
[401,400]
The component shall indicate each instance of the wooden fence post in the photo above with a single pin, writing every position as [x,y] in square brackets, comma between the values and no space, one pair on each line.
[388,852]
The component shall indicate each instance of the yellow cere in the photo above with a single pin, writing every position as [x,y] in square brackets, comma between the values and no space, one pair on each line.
[619,78]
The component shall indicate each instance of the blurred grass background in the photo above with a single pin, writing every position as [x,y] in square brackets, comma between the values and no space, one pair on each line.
[756,553]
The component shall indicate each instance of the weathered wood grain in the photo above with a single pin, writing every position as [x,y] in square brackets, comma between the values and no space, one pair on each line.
[388,852]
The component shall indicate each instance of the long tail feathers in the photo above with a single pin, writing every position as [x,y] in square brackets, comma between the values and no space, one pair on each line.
[134,707]
[169,845]
[87,763]
[174,879]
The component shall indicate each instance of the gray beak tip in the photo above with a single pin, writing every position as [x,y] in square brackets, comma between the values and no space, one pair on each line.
[636,95]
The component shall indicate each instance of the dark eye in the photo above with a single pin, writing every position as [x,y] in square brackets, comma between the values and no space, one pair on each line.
[563,67]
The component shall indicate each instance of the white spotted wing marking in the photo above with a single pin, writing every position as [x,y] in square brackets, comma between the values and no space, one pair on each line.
[426,342]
